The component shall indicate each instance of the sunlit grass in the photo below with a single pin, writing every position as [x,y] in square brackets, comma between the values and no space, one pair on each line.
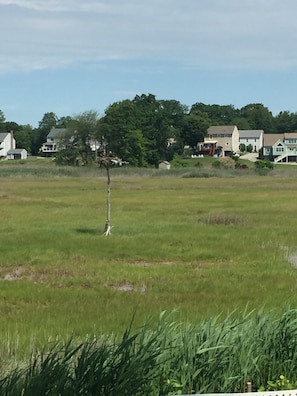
[202,246]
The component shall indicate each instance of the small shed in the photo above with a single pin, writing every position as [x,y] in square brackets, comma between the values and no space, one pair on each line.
[17,154]
[164,165]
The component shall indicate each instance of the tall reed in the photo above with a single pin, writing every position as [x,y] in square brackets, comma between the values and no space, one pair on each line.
[214,356]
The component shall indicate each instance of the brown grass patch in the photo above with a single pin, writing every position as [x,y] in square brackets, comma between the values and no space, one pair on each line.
[223,219]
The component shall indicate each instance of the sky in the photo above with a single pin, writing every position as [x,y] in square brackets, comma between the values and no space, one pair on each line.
[71,56]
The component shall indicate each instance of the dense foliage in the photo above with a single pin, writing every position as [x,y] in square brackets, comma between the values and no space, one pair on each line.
[143,131]
[214,356]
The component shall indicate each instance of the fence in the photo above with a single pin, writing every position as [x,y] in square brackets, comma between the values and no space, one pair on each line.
[269,393]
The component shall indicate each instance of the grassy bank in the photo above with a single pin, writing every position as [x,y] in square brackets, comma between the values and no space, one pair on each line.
[202,246]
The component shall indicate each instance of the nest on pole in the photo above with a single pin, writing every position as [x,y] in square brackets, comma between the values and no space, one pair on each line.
[106,163]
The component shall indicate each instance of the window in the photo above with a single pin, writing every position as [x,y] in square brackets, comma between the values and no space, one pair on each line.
[279,149]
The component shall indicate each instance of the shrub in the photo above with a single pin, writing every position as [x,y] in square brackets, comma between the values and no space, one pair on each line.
[178,162]
[263,166]
[249,148]
[227,163]
[242,147]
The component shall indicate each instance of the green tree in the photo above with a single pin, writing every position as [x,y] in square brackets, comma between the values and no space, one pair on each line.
[195,128]
[82,135]
[23,134]
[286,122]
[154,125]
[156,120]
[175,114]
[2,122]
[219,115]
[134,148]
[241,123]
[119,119]
[64,121]
[258,116]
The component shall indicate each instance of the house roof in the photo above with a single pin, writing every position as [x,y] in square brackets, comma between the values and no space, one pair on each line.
[220,129]
[290,135]
[16,151]
[3,136]
[270,138]
[55,132]
[165,162]
[250,133]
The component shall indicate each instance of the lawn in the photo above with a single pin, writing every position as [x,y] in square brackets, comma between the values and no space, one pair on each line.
[202,246]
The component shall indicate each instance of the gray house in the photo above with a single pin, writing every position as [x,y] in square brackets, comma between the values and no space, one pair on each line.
[253,137]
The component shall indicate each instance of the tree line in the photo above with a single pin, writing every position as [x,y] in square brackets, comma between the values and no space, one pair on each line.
[143,131]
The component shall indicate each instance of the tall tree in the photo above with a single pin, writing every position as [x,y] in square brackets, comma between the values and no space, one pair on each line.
[81,135]
[120,118]
[134,148]
[258,117]
[155,126]
[195,128]
[219,115]
[286,122]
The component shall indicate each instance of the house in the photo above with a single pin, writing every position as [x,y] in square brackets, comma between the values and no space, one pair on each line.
[53,142]
[16,154]
[280,147]
[164,165]
[269,139]
[51,146]
[7,142]
[252,137]
[221,140]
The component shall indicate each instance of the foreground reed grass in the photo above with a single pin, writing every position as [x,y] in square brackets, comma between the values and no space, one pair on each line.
[217,355]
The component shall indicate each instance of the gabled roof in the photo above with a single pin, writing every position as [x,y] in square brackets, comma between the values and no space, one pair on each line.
[55,132]
[250,133]
[279,143]
[3,136]
[271,138]
[221,129]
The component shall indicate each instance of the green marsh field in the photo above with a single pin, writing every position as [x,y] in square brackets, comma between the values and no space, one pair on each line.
[200,246]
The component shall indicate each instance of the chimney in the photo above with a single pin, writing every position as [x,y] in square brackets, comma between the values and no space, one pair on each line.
[12,143]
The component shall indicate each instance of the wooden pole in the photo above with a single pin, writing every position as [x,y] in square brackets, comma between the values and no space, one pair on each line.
[107,228]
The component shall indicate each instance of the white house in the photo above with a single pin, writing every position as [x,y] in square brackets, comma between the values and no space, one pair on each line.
[53,142]
[7,142]
[17,154]
[51,146]
[252,137]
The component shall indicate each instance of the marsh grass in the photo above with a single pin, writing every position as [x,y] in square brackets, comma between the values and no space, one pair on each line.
[215,356]
[201,245]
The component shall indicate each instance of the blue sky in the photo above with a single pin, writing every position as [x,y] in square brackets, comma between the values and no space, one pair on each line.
[69,56]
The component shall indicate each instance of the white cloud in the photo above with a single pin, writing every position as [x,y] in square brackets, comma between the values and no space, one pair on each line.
[200,33]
